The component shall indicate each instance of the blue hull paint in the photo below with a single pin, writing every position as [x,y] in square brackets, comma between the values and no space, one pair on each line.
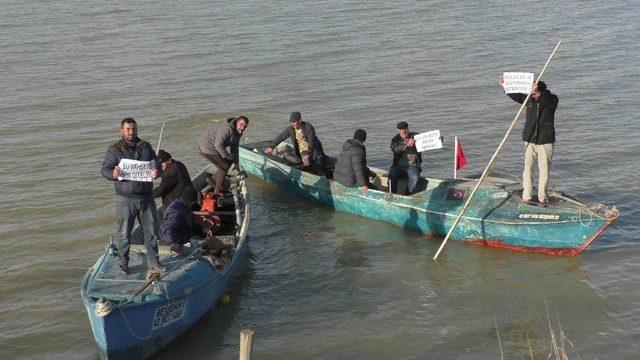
[191,288]
[496,216]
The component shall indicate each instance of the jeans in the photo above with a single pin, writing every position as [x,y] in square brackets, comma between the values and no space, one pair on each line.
[127,210]
[412,173]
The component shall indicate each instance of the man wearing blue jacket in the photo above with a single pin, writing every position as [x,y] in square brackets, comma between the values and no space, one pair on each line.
[134,199]
[178,221]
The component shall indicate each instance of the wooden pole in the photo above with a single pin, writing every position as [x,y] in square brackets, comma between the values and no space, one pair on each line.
[246,336]
[495,155]
[160,138]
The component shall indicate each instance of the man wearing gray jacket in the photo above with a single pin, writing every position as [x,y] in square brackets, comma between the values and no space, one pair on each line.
[351,169]
[213,144]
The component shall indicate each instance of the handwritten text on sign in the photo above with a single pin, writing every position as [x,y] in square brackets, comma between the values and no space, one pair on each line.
[135,170]
[517,82]
[428,141]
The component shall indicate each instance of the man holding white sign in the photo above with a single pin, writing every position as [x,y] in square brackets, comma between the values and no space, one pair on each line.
[539,135]
[132,164]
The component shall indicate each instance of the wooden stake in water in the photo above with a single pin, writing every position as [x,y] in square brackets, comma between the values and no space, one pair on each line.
[495,155]
[246,336]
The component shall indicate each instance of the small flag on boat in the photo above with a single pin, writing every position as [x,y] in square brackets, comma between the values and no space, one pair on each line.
[461,160]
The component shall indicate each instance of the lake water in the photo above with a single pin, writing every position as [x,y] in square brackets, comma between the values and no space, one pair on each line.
[315,283]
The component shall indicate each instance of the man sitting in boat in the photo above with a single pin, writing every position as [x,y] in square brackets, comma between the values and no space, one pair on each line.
[351,169]
[307,146]
[178,221]
[406,159]
[213,144]
[133,198]
[175,178]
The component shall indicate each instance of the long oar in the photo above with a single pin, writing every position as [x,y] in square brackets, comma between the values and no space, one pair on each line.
[160,138]
[495,155]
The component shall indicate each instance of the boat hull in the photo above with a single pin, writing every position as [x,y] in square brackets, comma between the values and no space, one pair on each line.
[496,216]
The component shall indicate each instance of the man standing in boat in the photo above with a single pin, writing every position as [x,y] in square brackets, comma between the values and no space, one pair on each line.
[213,144]
[307,146]
[406,159]
[134,199]
[351,169]
[175,178]
[539,136]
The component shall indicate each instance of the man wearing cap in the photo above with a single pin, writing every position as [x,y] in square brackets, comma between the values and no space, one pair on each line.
[539,136]
[213,144]
[307,146]
[406,159]
[134,199]
[175,178]
[351,168]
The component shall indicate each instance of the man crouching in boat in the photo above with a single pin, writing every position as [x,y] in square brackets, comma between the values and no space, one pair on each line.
[307,146]
[213,144]
[178,221]
[351,168]
[134,199]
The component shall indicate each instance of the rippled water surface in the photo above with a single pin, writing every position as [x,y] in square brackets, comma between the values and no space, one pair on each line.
[315,283]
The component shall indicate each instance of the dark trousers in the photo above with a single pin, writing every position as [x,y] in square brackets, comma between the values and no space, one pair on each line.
[127,210]
[412,173]
[223,166]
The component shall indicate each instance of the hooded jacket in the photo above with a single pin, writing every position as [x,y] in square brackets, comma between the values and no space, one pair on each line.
[142,151]
[351,169]
[222,135]
[539,126]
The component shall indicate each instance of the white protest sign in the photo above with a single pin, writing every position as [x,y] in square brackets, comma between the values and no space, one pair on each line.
[135,170]
[428,141]
[517,82]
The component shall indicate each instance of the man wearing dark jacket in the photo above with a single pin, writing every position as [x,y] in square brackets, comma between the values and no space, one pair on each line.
[351,169]
[539,135]
[134,199]
[178,221]
[406,159]
[213,144]
[307,146]
[175,178]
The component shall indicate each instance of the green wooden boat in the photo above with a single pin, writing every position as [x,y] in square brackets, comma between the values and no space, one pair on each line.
[496,217]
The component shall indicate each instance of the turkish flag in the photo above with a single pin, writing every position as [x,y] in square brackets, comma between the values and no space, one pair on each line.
[461,160]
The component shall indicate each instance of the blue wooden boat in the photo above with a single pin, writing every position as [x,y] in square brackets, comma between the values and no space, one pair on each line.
[496,217]
[132,317]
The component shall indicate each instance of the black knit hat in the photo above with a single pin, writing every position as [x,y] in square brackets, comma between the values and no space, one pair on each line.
[295,116]
[402,125]
[542,86]
[360,135]
[163,156]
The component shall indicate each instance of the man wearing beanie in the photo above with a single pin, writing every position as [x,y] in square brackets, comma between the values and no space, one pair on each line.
[351,168]
[406,159]
[539,135]
[307,146]
[175,178]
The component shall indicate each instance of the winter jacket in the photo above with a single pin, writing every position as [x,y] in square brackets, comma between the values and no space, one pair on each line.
[309,133]
[118,151]
[539,126]
[177,223]
[175,179]
[400,151]
[351,169]
[222,135]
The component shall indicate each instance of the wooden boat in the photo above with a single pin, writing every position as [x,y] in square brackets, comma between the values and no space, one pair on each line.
[132,317]
[496,217]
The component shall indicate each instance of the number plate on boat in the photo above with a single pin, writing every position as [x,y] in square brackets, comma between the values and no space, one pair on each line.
[167,314]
